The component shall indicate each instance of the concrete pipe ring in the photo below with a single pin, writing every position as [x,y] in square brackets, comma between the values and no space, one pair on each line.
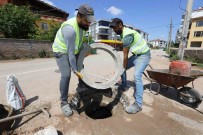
[117,60]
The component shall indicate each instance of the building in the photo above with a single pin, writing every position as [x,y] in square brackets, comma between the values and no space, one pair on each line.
[195,31]
[50,15]
[179,31]
[100,30]
[144,34]
[158,43]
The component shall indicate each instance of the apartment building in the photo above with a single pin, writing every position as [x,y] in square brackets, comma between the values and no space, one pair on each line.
[195,31]
[50,15]
[100,30]
[158,43]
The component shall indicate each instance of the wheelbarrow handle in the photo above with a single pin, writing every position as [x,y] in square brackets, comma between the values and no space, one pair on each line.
[197,75]
[21,115]
[150,66]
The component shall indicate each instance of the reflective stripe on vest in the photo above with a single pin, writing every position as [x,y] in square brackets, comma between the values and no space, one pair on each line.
[59,44]
[58,48]
[139,45]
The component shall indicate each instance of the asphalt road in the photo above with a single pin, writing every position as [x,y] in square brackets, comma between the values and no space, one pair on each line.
[161,114]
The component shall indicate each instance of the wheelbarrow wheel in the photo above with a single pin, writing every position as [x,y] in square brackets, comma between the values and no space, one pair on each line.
[190,96]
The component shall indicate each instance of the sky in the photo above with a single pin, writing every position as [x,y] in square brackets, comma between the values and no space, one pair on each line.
[151,16]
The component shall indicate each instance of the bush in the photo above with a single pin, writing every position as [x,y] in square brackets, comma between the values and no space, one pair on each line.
[174,57]
[176,45]
[88,39]
[44,54]
[48,35]
[17,22]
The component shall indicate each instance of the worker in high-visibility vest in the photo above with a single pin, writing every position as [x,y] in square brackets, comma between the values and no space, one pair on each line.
[136,44]
[66,47]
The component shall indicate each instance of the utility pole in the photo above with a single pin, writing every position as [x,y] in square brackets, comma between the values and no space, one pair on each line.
[169,37]
[183,41]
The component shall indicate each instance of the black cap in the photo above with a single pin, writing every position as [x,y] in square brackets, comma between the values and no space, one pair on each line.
[88,11]
[115,22]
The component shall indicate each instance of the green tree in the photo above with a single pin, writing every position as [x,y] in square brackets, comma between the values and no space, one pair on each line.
[88,39]
[48,35]
[17,22]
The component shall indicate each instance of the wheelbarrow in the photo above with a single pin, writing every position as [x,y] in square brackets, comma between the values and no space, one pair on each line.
[8,117]
[5,112]
[187,94]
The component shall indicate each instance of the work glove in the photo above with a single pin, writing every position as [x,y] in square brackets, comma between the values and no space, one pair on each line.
[79,75]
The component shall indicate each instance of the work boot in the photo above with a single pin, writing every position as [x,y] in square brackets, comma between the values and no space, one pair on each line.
[133,108]
[65,107]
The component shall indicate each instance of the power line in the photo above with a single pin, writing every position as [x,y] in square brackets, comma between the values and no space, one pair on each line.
[161,26]
[181,8]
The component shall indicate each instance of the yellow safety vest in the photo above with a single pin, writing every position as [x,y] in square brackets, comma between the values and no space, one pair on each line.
[139,45]
[59,44]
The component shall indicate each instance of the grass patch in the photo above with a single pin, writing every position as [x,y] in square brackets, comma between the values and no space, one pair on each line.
[200,65]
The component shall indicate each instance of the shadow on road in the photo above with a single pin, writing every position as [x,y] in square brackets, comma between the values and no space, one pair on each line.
[29,101]
[170,93]
[167,92]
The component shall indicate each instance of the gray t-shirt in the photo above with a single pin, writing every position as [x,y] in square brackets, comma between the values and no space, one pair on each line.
[69,35]
[128,40]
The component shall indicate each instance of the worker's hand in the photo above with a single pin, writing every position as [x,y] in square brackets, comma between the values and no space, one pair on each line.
[79,74]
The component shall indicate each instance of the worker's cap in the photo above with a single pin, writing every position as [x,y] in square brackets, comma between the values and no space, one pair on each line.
[87,11]
[115,22]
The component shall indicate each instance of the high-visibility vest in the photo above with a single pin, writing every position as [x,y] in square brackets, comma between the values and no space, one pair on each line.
[139,45]
[59,44]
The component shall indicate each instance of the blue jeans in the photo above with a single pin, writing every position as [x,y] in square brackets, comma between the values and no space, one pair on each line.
[65,69]
[140,62]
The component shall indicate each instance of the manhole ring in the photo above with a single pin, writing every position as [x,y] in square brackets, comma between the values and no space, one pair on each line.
[117,60]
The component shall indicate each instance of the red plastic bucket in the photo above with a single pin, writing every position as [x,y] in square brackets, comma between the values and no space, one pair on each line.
[180,68]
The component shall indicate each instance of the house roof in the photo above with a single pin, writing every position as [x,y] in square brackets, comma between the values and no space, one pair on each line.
[197,13]
[49,6]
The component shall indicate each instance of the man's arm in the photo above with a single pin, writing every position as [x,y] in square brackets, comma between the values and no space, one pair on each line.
[69,35]
[127,41]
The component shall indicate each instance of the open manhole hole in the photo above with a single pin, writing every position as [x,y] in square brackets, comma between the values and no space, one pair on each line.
[96,111]
[99,104]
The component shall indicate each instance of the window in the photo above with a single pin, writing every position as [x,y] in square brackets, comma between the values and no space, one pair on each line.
[104,31]
[198,34]
[195,44]
[103,23]
[190,25]
[199,23]
[44,26]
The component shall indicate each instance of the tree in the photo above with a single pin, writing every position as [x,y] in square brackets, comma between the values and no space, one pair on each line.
[48,35]
[17,21]
[88,39]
